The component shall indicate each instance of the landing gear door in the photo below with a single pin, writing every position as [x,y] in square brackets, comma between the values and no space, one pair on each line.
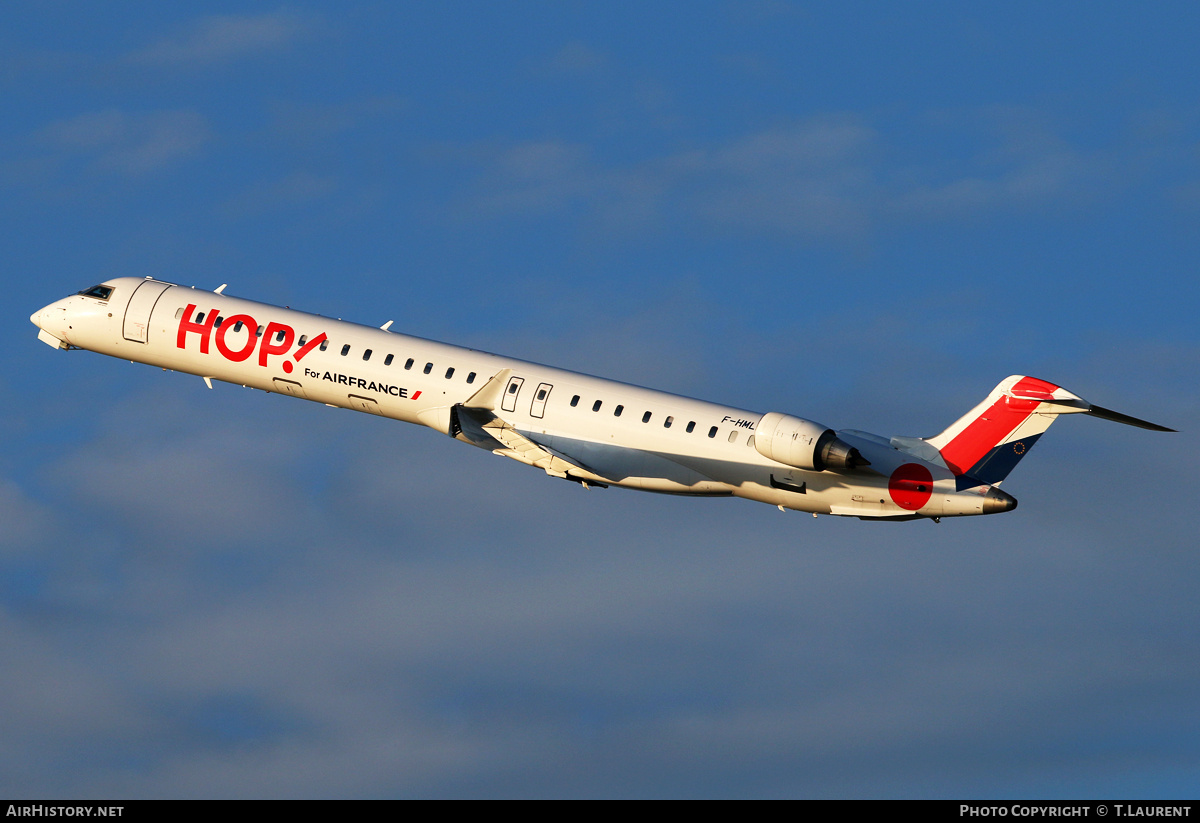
[364,404]
[290,387]
[538,407]
[509,403]
[137,313]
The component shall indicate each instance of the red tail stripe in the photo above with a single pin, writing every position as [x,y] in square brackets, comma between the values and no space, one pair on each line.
[987,430]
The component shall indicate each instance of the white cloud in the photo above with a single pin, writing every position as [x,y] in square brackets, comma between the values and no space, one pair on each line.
[578,57]
[832,177]
[23,522]
[292,190]
[810,179]
[226,38]
[133,144]
[312,122]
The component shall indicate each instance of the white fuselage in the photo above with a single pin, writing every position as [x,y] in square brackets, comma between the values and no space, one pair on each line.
[607,432]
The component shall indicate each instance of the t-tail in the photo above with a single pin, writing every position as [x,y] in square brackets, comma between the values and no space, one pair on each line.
[987,443]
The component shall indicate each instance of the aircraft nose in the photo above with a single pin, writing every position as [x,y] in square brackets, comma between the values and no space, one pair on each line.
[52,320]
[46,315]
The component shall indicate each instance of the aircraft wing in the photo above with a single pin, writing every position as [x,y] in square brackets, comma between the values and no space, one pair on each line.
[479,423]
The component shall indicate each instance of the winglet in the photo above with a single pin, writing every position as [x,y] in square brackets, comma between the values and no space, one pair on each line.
[220,288]
[488,396]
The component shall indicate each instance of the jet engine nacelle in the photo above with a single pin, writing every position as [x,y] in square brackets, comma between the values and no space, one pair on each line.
[804,444]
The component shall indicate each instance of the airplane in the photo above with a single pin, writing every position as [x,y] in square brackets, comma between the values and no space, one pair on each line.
[589,430]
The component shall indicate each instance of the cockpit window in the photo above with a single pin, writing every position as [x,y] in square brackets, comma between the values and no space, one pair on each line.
[99,292]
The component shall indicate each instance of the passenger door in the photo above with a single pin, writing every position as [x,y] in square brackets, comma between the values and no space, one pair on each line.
[537,407]
[137,312]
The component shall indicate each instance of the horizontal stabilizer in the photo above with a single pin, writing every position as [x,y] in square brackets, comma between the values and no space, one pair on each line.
[1073,403]
[1117,417]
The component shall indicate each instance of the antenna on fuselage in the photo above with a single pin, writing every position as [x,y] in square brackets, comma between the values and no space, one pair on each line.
[220,288]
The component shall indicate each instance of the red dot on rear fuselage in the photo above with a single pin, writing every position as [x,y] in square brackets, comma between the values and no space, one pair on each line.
[287,367]
[911,486]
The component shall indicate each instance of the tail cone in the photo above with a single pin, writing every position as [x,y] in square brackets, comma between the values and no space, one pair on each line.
[997,501]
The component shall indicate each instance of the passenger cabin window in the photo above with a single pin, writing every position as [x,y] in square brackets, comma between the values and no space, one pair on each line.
[219,321]
[387,361]
[258,332]
[279,336]
[617,411]
[712,432]
[596,406]
[750,441]
[449,372]
[646,417]
[367,354]
[733,436]
[325,344]
[408,363]
[303,339]
[179,312]
[471,377]
[669,421]
[691,426]
[574,401]
[428,368]
[237,326]
[98,292]
[345,350]
[200,317]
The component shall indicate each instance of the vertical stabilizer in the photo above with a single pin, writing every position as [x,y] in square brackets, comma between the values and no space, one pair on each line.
[988,442]
[985,444]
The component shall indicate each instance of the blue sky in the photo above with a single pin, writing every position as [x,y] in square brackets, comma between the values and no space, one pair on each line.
[868,215]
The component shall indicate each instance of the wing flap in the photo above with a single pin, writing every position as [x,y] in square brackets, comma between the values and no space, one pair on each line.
[483,427]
